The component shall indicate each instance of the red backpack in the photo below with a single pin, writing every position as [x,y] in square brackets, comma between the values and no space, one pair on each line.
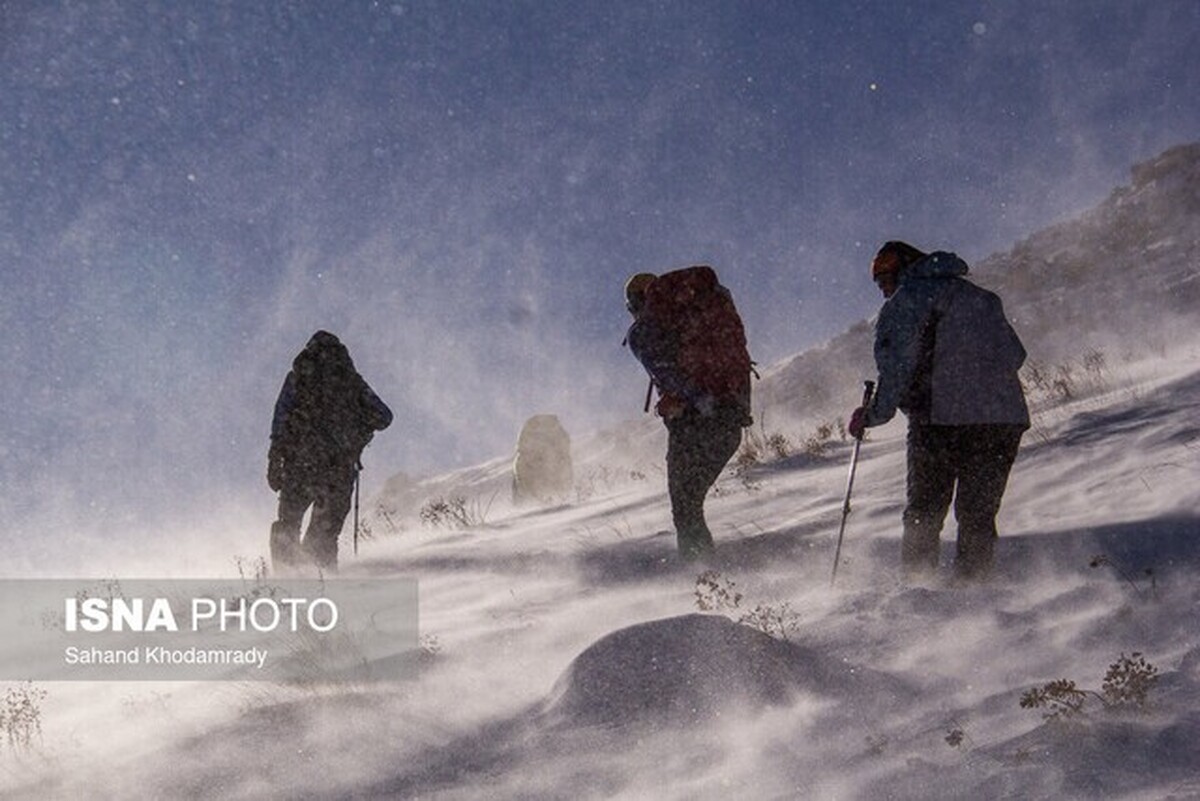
[712,341]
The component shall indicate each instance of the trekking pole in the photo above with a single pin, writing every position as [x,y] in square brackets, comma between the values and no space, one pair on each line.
[868,391]
[649,393]
[357,473]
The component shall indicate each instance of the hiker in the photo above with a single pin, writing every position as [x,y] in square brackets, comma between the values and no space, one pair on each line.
[324,417]
[687,333]
[948,358]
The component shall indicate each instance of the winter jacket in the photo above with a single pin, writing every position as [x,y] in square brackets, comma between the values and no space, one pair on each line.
[324,416]
[945,351]
[658,351]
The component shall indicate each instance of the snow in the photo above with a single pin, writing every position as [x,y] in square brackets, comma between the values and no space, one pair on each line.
[568,654]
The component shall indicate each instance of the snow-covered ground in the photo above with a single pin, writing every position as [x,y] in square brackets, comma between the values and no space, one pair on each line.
[569,654]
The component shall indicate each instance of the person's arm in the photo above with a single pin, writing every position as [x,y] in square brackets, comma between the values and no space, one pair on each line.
[283,405]
[658,353]
[897,345]
[379,416]
[276,455]
[653,352]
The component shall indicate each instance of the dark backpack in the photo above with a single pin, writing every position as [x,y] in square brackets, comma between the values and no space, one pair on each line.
[692,305]
[328,418]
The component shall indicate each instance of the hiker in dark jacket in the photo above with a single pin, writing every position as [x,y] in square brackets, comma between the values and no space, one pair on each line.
[704,423]
[948,358]
[324,417]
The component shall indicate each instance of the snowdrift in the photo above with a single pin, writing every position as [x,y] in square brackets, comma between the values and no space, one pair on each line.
[691,668]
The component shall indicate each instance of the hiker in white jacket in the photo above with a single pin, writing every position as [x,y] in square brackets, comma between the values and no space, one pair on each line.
[948,358]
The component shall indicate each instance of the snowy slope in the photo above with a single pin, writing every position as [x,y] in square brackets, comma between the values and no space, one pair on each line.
[569,654]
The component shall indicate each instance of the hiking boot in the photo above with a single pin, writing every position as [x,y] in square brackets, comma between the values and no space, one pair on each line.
[694,544]
[322,553]
[285,547]
[919,575]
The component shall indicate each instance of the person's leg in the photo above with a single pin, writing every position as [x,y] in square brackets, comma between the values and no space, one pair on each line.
[697,451]
[930,489]
[330,508]
[685,488]
[987,454]
[294,500]
[719,446]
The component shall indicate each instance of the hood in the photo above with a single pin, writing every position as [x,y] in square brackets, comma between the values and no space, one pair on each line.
[936,265]
[323,352]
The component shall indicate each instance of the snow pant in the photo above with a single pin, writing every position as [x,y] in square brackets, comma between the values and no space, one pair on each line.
[969,464]
[698,448]
[330,498]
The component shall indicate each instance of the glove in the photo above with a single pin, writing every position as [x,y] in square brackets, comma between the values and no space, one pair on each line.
[669,407]
[858,423]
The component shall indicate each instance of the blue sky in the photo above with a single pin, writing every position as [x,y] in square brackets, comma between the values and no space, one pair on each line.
[188,190]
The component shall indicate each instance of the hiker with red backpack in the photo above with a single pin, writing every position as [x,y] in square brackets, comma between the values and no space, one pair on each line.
[325,415]
[948,358]
[687,333]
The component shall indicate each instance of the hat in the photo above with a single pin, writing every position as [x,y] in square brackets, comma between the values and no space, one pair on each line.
[894,256]
[323,339]
[322,350]
[635,290]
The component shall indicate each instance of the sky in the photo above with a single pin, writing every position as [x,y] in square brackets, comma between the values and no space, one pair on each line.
[459,190]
